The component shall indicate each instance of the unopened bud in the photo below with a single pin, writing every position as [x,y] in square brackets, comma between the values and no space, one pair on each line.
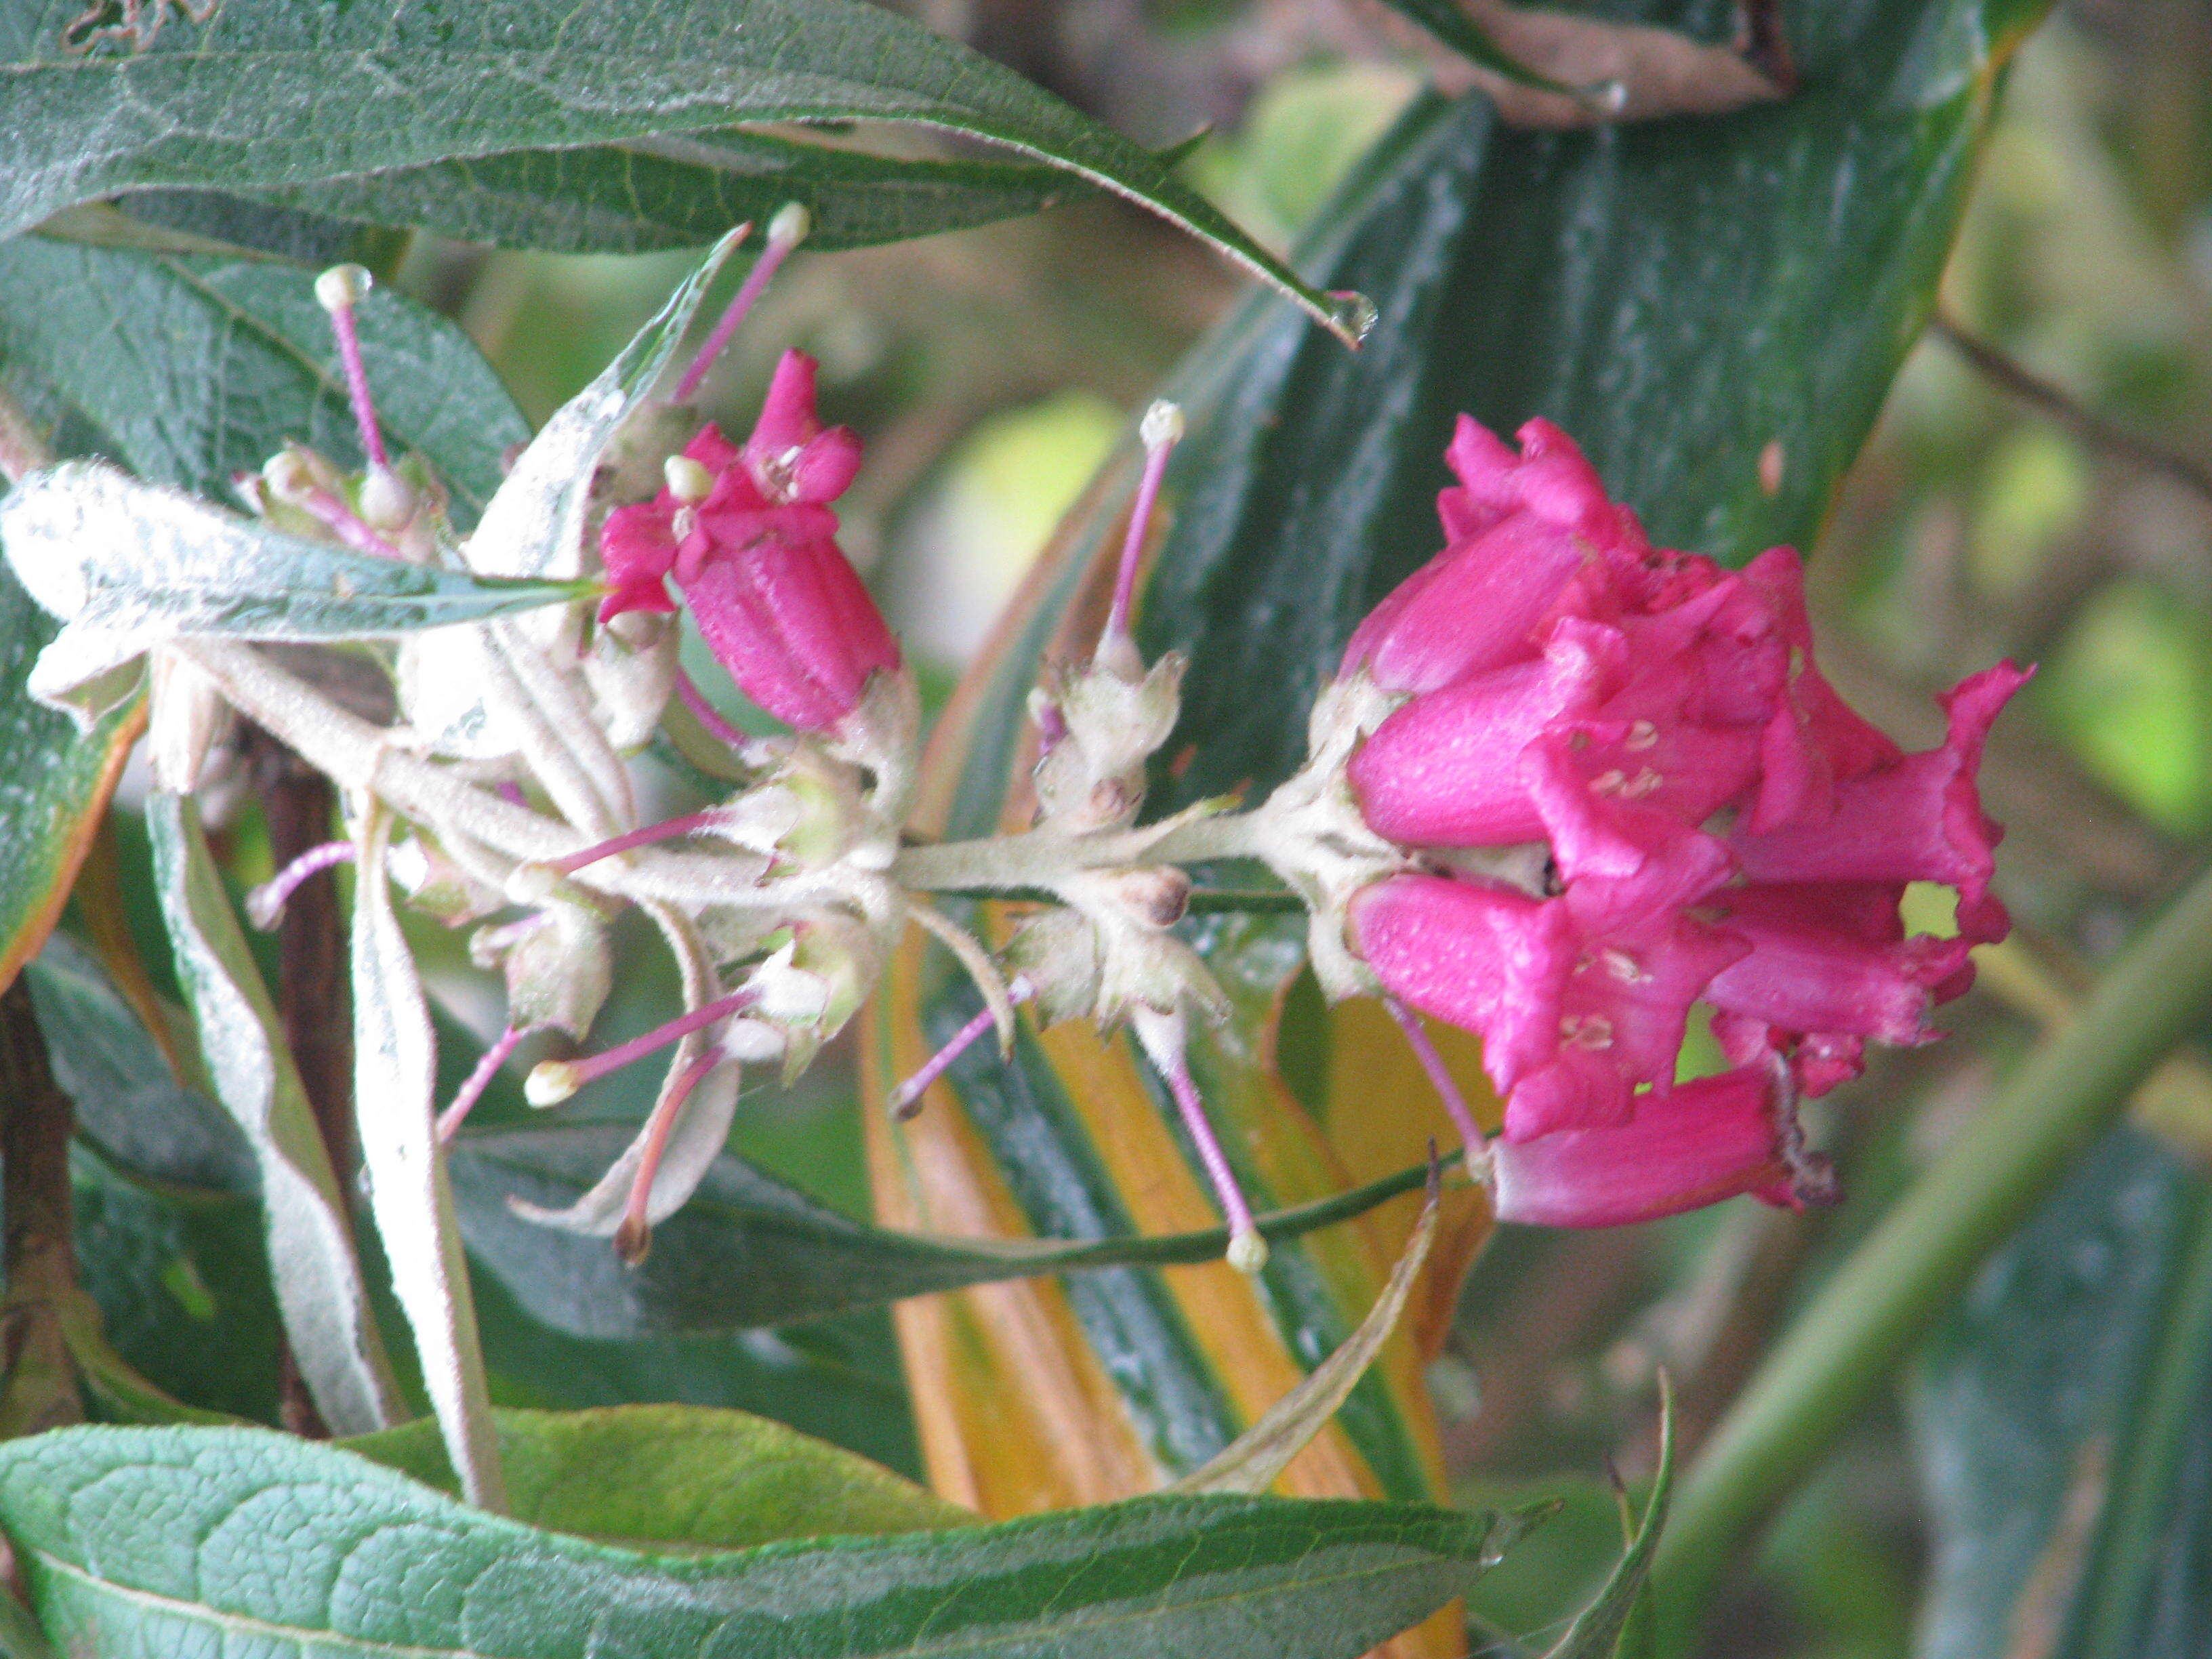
[550,1082]
[1162,425]
[387,501]
[342,287]
[792,225]
[1247,1253]
[688,481]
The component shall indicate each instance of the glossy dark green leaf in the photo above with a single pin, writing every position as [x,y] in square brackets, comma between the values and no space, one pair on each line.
[2021,1396]
[148,1541]
[628,198]
[659,1475]
[202,368]
[749,1250]
[272,93]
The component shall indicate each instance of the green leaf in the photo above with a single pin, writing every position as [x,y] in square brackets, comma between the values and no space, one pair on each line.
[271,95]
[129,565]
[660,1475]
[311,1254]
[748,1250]
[167,1540]
[202,368]
[128,1103]
[1597,1630]
[58,783]
[629,198]
[395,1061]
[1449,22]
[2025,1387]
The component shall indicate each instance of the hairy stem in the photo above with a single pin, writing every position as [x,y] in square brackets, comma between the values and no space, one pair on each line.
[1842,1349]
[1002,863]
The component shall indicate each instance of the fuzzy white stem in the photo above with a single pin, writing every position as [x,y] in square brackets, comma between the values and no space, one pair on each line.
[1038,857]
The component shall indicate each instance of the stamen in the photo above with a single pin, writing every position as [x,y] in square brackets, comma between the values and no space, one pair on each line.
[634,1239]
[689,824]
[905,1101]
[470,1091]
[1162,1041]
[744,746]
[1447,1086]
[338,290]
[553,1081]
[265,905]
[785,232]
[1161,430]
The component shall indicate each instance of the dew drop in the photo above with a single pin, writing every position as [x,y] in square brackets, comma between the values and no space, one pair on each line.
[1611,96]
[1352,313]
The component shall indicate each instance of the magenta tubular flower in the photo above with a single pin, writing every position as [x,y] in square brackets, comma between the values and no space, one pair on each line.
[758,560]
[1697,1144]
[1721,827]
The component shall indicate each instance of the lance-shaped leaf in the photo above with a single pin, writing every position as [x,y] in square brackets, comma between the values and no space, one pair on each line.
[310,1255]
[1252,1461]
[198,368]
[748,1250]
[684,192]
[179,1539]
[362,89]
[683,1475]
[395,1061]
[127,566]
[534,526]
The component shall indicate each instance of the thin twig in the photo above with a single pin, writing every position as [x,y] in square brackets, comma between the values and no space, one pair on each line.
[2092,429]
[37,1387]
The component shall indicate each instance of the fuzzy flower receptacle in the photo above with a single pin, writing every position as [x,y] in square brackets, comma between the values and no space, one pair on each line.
[747,533]
[1711,822]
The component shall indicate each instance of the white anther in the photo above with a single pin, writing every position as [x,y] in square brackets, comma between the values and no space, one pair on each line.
[1587,1030]
[1623,966]
[1646,782]
[688,481]
[1641,736]
[342,287]
[1247,1253]
[1162,425]
[1609,782]
[387,501]
[792,225]
[550,1082]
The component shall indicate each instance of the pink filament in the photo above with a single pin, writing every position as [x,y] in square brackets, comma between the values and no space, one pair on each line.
[590,1070]
[357,377]
[668,831]
[470,1091]
[634,1235]
[1230,1196]
[906,1100]
[352,529]
[1132,546]
[271,899]
[737,742]
[1470,1132]
[771,257]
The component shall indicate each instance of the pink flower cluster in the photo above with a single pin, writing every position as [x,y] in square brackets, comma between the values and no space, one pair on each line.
[756,556]
[1720,825]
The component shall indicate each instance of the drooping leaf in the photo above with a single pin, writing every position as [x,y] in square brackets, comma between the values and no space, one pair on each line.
[659,1475]
[2021,1402]
[1450,23]
[629,198]
[166,1539]
[129,565]
[201,368]
[318,1277]
[748,1250]
[1253,1461]
[395,1069]
[366,89]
